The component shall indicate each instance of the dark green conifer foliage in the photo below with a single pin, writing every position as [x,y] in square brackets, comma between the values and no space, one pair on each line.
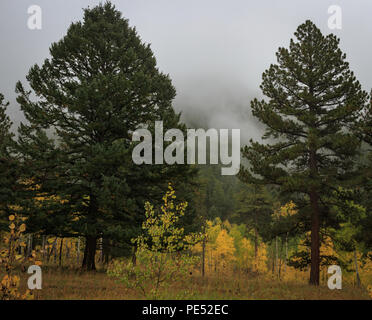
[312,100]
[5,125]
[8,165]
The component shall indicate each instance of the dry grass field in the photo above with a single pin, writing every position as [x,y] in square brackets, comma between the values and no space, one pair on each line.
[75,285]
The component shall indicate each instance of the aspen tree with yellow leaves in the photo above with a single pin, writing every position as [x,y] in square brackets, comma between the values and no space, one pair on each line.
[287,210]
[224,251]
[161,256]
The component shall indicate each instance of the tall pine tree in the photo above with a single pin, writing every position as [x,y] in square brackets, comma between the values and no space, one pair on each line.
[313,100]
[100,84]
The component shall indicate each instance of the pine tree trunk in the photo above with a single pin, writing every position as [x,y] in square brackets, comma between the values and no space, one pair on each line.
[315,222]
[89,263]
[315,229]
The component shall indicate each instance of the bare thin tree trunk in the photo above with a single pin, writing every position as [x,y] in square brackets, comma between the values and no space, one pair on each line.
[52,249]
[55,250]
[203,257]
[43,245]
[78,252]
[276,257]
[286,253]
[60,252]
[67,251]
[273,261]
[134,255]
[49,251]
[358,282]
[29,245]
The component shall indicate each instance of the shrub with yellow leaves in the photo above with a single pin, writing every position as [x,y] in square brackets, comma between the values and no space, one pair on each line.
[9,256]
[369,288]
[260,261]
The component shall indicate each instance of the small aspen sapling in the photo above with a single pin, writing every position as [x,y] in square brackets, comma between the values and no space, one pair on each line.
[161,256]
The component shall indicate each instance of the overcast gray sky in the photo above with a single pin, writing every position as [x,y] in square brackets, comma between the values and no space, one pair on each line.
[215,51]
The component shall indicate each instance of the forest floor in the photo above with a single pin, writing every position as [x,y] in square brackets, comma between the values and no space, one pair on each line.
[73,284]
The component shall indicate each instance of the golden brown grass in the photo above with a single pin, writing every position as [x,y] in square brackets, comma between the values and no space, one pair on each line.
[73,284]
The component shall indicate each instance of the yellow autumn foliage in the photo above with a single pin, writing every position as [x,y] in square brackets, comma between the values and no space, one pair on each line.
[224,251]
